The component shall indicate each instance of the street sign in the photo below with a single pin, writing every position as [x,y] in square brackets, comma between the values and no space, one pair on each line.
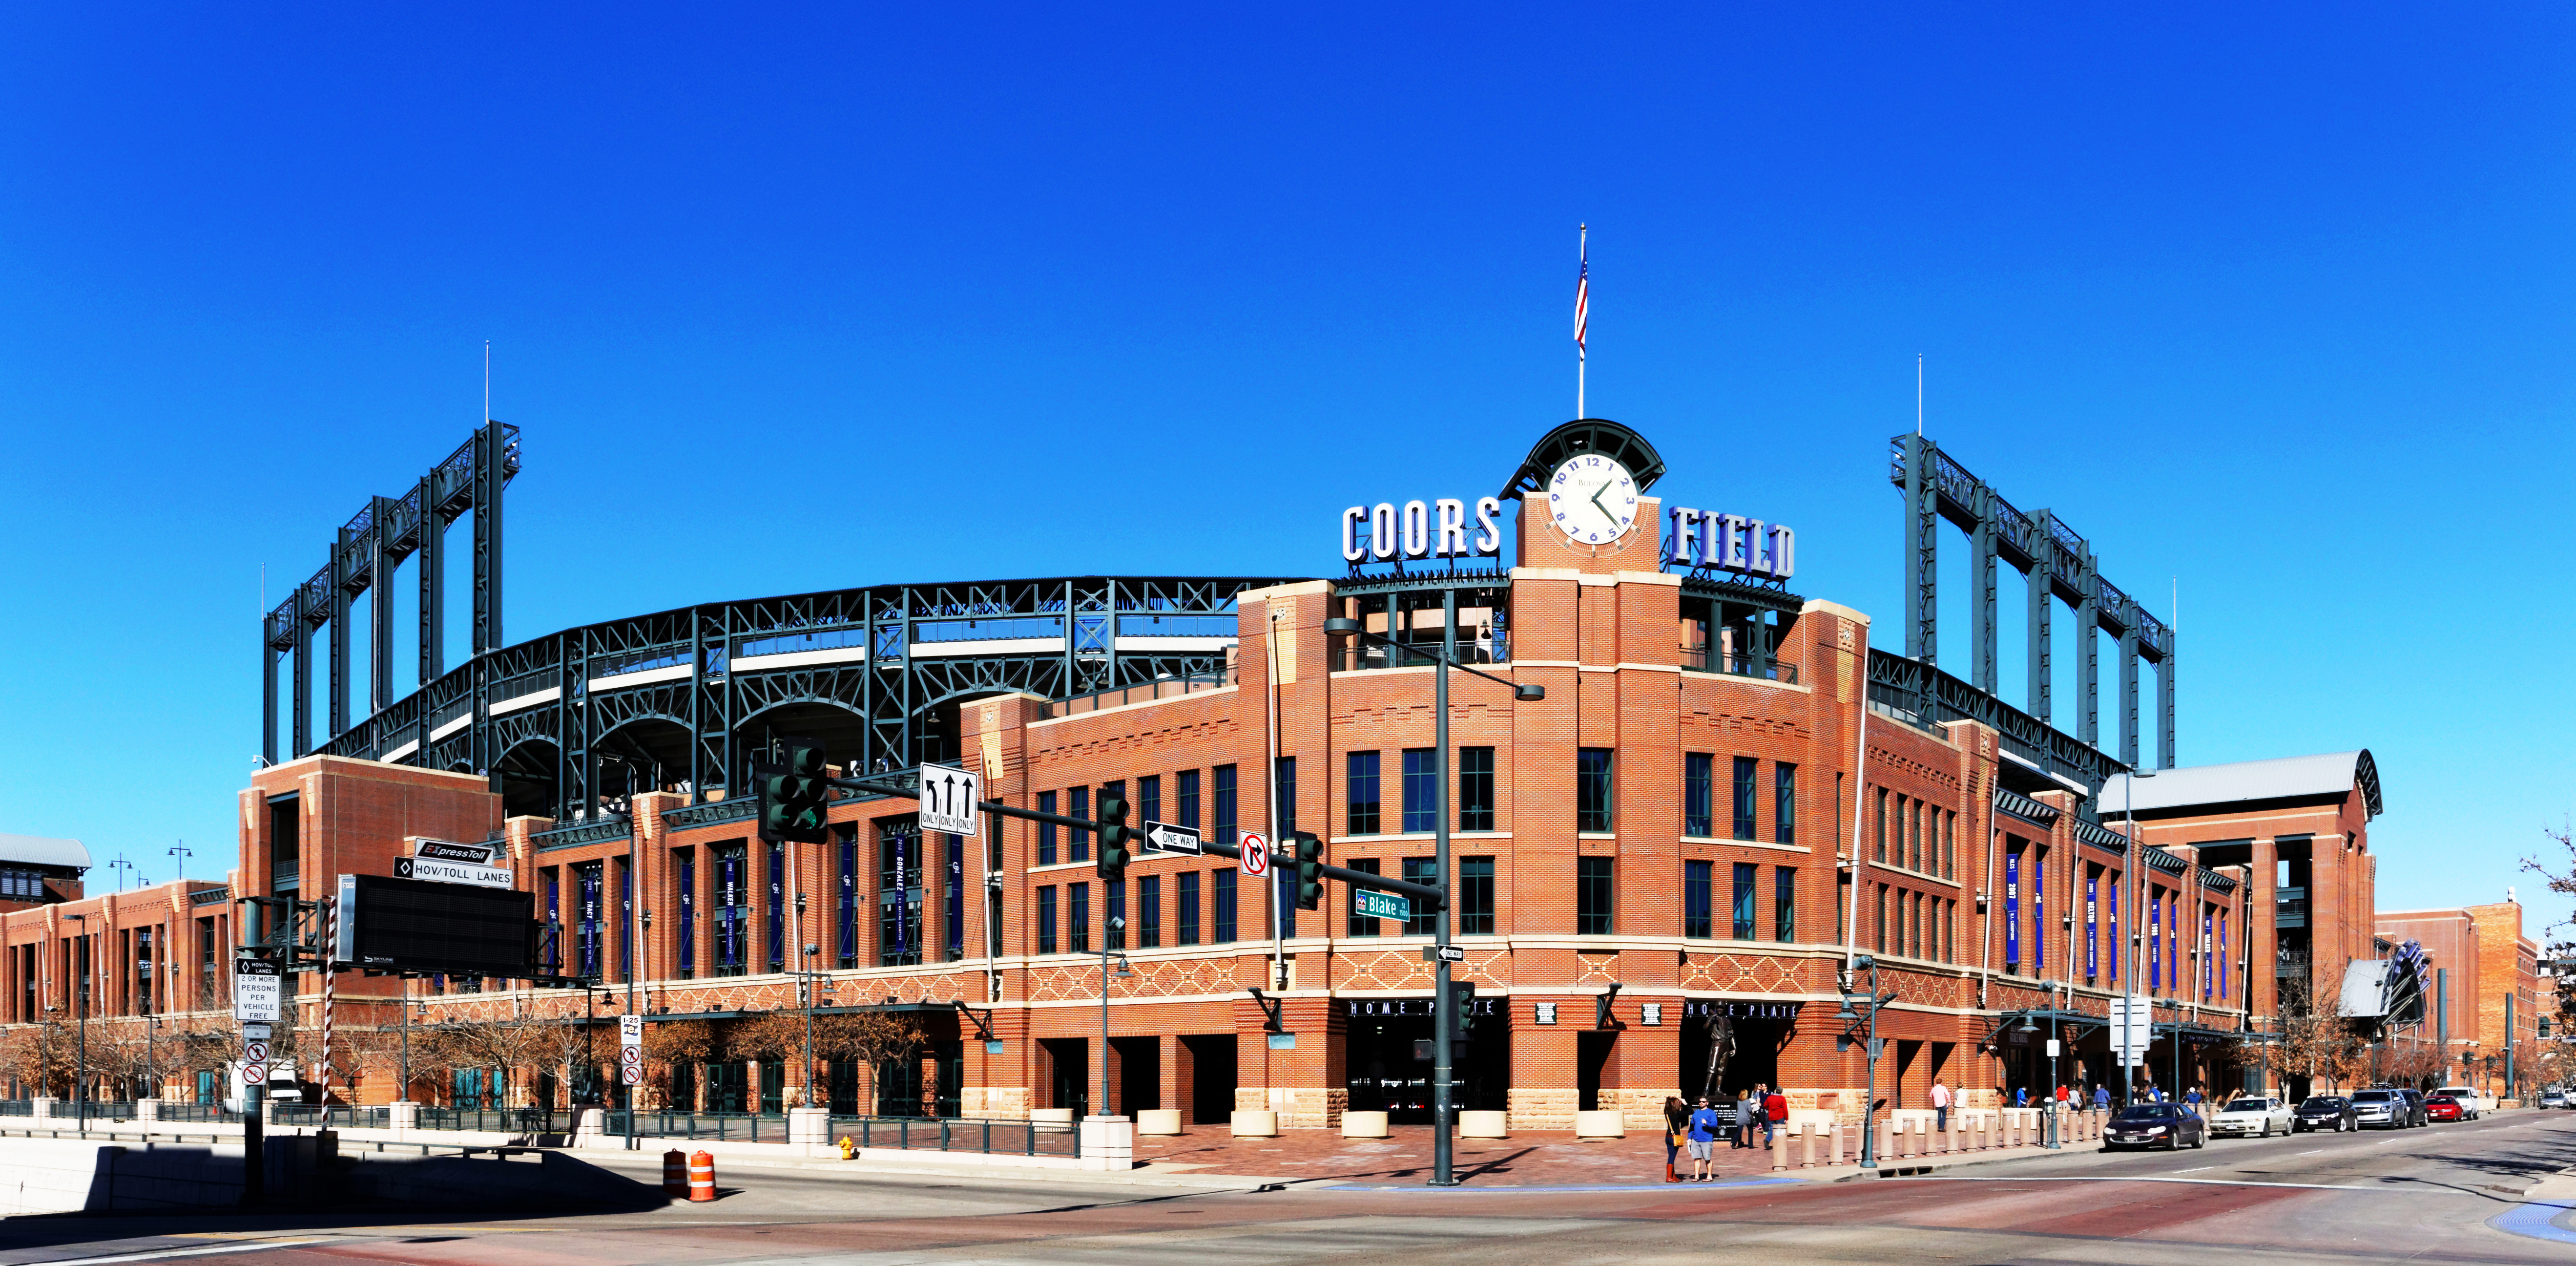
[254,1052]
[1255,858]
[1162,838]
[487,853]
[1449,954]
[257,990]
[254,1074]
[2132,1028]
[254,1031]
[446,872]
[948,799]
[630,1066]
[1369,903]
[630,1030]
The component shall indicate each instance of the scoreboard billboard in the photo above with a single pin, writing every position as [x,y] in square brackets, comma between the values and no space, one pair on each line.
[450,929]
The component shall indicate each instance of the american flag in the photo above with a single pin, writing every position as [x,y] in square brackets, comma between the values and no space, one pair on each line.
[1583,297]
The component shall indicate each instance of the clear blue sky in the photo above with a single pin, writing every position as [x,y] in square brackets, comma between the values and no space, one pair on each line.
[2275,301]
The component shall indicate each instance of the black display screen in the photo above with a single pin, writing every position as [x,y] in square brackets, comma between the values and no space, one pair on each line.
[416,925]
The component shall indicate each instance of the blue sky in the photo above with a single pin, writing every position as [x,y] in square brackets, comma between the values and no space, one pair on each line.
[2273,303]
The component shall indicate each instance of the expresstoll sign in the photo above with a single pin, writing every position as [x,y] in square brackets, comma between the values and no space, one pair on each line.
[1440,528]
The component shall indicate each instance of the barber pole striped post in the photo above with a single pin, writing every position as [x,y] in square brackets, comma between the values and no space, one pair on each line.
[330,939]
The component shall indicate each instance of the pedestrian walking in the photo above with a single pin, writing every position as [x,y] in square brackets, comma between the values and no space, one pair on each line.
[1775,1113]
[1676,1132]
[1739,1122]
[2021,1096]
[1940,1107]
[1704,1127]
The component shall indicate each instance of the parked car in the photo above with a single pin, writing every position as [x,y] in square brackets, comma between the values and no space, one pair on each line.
[2167,1125]
[2415,1100]
[2445,1108]
[2553,1099]
[2323,1112]
[2259,1115]
[2473,1104]
[2382,1109]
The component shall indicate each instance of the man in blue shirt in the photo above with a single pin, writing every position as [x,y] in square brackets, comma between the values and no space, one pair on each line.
[1705,1125]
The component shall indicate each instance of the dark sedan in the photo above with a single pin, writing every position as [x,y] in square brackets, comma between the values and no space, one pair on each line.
[2324,1112]
[2167,1125]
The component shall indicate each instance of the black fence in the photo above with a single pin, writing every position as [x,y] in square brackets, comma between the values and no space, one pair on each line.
[1014,1138]
[740,1127]
[199,1112]
[343,1115]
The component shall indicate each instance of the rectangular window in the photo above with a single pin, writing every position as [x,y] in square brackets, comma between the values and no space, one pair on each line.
[1186,897]
[1593,895]
[1698,797]
[1078,805]
[1077,918]
[1747,769]
[1695,901]
[1784,903]
[1188,814]
[1746,876]
[1113,920]
[1284,791]
[1422,870]
[1475,896]
[1880,939]
[1878,829]
[1421,791]
[1784,803]
[1221,903]
[1046,830]
[1914,836]
[1475,789]
[1149,799]
[1592,801]
[1227,824]
[1360,800]
[1949,845]
[1361,926]
[1149,912]
[1046,920]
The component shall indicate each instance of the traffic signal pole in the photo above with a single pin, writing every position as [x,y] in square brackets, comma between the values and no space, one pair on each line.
[1444,1026]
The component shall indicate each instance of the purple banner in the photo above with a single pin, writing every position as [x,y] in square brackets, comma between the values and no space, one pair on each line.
[2155,941]
[2012,909]
[2115,928]
[2208,967]
[2092,925]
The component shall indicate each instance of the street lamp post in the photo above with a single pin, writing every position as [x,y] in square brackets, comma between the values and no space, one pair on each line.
[1444,924]
[2137,903]
[80,1013]
[1869,1052]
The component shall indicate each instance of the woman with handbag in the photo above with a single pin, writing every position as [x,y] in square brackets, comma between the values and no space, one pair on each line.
[1676,1133]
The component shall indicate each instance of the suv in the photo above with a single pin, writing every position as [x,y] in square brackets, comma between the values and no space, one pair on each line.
[2383,1108]
[2553,1098]
[2472,1104]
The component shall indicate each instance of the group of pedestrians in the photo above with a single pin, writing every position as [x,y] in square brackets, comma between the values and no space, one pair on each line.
[1699,1128]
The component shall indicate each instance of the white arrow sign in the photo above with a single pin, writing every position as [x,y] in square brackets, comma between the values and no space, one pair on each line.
[948,799]
[1160,838]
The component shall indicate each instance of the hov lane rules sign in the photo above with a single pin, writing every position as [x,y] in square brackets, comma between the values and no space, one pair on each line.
[1255,859]
[257,990]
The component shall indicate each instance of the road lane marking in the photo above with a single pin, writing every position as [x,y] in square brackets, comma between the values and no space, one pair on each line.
[2195,1169]
[154,1255]
[2188,1182]
[2312,1152]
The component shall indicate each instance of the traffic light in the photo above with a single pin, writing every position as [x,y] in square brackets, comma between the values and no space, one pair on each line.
[1117,839]
[1310,871]
[792,794]
[1462,1007]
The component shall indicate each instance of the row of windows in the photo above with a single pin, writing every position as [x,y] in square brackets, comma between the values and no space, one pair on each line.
[1148,806]
[1595,795]
[1924,835]
[1917,924]
[1146,921]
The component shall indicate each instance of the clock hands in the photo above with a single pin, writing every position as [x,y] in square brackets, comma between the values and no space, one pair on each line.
[1596,500]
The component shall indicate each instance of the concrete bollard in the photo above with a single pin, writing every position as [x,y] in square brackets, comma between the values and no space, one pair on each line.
[1780,1148]
[1834,1144]
[1807,1145]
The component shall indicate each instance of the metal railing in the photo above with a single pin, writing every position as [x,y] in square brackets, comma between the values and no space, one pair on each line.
[100,1110]
[199,1112]
[1471,650]
[1709,659]
[1013,1138]
[350,1116]
[17,1108]
[1171,687]
[747,1127]
[496,1120]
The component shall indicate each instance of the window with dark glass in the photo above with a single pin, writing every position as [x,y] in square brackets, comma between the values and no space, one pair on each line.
[1878,828]
[1078,805]
[1475,789]
[1745,875]
[1593,895]
[1149,799]
[1747,769]
[845,917]
[1186,811]
[733,910]
[1362,926]
[1077,917]
[1475,896]
[1422,870]
[1284,795]
[1113,919]
[1221,907]
[1784,803]
[1592,801]
[1149,912]
[1228,826]
[1695,901]
[1698,797]
[1784,903]
[1046,830]
[1360,794]
[1421,791]
[1186,898]
[686,881]
[777,894]
[1046,919]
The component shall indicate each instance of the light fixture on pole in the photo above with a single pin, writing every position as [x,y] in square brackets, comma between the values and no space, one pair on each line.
[80,1077]
[1444,1024]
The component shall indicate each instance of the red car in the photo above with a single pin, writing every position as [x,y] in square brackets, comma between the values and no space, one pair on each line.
[2443,1108]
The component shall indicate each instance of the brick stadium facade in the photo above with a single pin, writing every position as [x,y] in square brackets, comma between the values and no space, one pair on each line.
[1704,819]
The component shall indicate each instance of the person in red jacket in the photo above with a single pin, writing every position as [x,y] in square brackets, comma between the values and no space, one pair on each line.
[1775,1113]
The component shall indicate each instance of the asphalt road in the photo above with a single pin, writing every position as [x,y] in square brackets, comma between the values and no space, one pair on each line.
[2416,1195]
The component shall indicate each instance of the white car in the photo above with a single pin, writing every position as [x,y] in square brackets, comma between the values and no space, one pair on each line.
[2472,1104]
[2260,1116]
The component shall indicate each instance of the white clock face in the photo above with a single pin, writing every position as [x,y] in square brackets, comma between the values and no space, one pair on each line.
[1592,500]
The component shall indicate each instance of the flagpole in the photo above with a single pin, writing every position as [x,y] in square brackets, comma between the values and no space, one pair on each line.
[1582,308]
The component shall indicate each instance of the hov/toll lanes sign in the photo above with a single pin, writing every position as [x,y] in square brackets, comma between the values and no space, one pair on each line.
[257,990]
[948,799]
[1255,858]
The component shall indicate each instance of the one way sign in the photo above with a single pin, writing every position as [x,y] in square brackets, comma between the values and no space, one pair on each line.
[1160,838]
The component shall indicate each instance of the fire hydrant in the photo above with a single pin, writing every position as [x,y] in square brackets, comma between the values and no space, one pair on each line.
[848,1149]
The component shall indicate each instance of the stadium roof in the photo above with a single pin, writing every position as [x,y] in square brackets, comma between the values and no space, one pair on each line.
[2282,778]
[36,850]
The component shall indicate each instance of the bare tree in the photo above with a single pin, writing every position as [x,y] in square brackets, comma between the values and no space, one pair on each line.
[868,1039]
[40,1057]
[2317,1042]
[669,1046]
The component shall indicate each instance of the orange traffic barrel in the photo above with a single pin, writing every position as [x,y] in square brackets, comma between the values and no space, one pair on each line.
[702,1177]
[675,1172]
